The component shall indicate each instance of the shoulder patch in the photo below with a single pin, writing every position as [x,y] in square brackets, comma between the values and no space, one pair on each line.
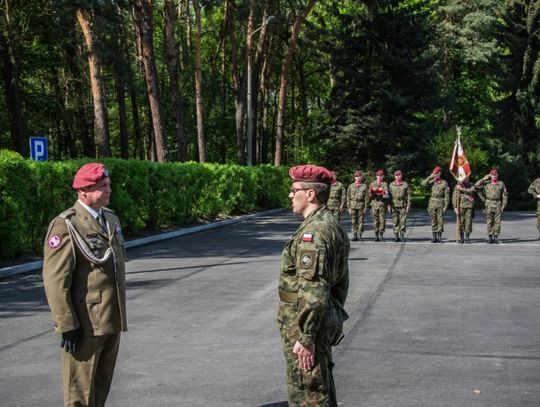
[54,241]
[307,237]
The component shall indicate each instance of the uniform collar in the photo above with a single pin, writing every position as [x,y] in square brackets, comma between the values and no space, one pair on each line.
[90,210]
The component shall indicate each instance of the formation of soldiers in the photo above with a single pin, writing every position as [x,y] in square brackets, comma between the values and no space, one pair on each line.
[395,199]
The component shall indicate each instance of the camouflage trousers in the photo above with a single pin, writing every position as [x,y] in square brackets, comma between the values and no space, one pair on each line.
[437,219]
[538,217]
[399,216]
[379,218]
[336,211]
[357,219]
[493,219]
[316,387]
[465,219]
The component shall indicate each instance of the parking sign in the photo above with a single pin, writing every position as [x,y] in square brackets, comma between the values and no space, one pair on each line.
[38,148]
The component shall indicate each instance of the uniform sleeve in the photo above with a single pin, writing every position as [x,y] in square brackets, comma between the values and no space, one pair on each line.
[313,288]
[504,196]
[534,188]
[426,182]
[446,196]
[409,198]
[349,197]
[454,197]
[58,266]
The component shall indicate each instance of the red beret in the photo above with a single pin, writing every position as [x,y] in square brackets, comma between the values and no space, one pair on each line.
[358,173]
[311,173]
[379,172]
[436,169]
[89,174]
[397,172]
[493,171]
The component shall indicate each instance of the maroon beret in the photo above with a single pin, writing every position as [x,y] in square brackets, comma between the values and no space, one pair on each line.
[358,173]
[310,173]
[436,170]
[379,172]
[397,172]
[89,174]
[493,171]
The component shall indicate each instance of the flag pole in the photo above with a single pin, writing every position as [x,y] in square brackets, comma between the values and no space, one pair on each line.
[458,197]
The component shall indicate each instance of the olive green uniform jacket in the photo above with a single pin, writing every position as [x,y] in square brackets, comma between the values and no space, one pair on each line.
[534,189]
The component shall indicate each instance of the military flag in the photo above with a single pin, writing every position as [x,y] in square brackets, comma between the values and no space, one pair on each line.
[459,166]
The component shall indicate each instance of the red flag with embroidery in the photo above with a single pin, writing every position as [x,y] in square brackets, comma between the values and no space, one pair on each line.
[459,166]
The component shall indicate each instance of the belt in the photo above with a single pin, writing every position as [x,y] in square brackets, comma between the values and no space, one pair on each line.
[288,296]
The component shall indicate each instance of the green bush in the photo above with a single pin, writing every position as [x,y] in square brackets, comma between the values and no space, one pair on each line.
[145,195]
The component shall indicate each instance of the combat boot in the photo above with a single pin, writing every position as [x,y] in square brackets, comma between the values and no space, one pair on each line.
[354,237]
[434,240]
[360,237]
[402,237]
[461,238]
[467,240]
[381,238]
[396,239]
[490,239]
[496,239]
[439,237]
[376,237]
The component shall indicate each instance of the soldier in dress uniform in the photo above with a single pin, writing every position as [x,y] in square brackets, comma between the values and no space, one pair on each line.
[495,198]
[338,197]
[400,203]
[464,208]
[84,279]
[357,201]
[378,199]
[313,285]
[534,189]
[438,202]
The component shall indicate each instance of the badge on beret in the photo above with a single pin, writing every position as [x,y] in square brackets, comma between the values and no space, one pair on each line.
[307,260]
[54,241]
[307,237]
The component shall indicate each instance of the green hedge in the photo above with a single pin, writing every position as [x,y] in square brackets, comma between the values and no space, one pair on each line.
[146,195]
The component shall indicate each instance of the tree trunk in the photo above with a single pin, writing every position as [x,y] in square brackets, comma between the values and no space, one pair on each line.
[172,66]
[280,131]
[10,75]
[198,83]
[101,116]
[142,14]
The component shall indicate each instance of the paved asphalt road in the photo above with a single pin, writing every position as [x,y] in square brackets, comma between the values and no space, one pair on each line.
[431,324]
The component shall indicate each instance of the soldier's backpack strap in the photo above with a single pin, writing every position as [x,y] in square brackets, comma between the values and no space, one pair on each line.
[83,246]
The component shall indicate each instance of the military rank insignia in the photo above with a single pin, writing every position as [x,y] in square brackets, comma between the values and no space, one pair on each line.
[307,237]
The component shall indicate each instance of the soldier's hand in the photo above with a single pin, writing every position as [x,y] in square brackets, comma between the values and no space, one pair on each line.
[69,340]
[305,355]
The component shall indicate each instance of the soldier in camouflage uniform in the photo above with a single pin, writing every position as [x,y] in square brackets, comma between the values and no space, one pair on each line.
[495,198]
[438,202]
[357,200]
[464,208]
[534,189]
[313,285]
[338,197]
[378,199]
[400,202]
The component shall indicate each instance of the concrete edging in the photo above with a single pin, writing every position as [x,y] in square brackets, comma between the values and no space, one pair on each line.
[36,265]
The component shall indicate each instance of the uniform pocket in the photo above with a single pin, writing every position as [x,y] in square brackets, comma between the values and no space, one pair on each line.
[93,301]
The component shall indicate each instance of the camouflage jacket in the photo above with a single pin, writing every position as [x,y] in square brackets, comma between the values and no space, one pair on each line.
[338,196]
[493,194]
[378,194]
[400,195]
[534,189]
[357,197]
[466,196]
[440,192]
[314,277]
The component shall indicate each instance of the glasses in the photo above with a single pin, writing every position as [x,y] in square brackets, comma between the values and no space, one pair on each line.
[295,190]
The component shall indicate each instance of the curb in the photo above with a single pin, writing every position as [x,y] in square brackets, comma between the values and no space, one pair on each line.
[36,265]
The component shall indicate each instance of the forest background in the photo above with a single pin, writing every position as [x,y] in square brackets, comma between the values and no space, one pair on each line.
[347,84]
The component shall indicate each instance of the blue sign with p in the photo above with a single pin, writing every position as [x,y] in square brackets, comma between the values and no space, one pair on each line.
[38,148]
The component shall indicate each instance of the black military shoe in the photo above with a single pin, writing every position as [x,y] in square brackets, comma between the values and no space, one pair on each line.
[439,237]
[461,238]
[376,237]
[360,237]
[434,240]
[354,237]
[467,240]
[402,237]
[397,239]
[496,239]
[490,240]
[381,238]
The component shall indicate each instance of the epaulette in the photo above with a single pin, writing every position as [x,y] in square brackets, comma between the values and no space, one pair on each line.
[67,213]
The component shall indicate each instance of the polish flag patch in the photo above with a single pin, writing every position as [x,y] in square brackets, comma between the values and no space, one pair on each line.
[54,241]
[307,237]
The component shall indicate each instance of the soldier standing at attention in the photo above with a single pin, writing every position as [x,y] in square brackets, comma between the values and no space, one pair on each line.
[495,198]
[378,198]
[534,189]
[338,197]
[313,285]
[84,279]
[400,202]
[438,202]
[357,200]
[464,208]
